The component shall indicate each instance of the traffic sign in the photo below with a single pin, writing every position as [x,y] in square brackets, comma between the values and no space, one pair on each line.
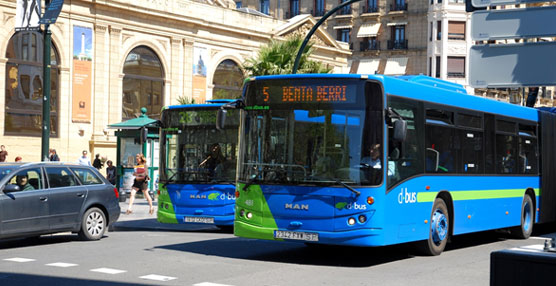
[512,65]
[514,23]
[52,12]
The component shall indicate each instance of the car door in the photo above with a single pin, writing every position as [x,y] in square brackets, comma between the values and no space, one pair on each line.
[66,198]
[25,211]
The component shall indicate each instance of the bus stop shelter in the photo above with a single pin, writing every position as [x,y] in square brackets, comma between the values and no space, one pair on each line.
[134,136]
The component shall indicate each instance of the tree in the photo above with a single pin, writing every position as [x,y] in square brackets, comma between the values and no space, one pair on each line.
[278,57]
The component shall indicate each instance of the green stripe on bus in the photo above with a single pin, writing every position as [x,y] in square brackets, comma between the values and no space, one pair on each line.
[476,195]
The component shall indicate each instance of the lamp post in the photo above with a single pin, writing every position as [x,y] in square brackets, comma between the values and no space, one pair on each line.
[45,138]
[314,29]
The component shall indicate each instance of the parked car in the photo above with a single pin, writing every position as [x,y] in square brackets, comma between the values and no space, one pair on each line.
[49,197]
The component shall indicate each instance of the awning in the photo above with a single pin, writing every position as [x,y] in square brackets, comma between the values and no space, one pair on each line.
[395,66]
[396,24]
[343,27]
[368,30]
[368,66]
[136,123]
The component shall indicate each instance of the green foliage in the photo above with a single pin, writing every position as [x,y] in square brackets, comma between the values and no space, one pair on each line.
[185,100]
[278,57]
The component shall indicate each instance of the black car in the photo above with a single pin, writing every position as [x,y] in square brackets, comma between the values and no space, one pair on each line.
[49,197]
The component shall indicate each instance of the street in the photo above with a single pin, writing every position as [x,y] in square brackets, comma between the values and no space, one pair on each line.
[206,256]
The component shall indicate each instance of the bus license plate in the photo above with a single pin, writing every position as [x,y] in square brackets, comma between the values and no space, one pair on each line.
[198,219]
[307,236]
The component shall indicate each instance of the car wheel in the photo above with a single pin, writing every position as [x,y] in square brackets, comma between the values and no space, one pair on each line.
[93,224]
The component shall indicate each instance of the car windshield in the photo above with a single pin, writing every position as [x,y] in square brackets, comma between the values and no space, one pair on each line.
[6,170]
[320,142]
[195,151]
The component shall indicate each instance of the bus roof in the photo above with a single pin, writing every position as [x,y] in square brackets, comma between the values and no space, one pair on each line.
[210,104]
[430,90]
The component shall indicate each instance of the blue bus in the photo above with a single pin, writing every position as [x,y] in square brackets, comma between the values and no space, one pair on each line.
[373,160]
[198,164]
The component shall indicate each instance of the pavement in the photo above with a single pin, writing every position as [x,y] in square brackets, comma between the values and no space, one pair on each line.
[140,219]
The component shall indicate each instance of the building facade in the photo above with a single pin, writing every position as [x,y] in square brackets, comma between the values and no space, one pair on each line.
[110,58]
[385,36]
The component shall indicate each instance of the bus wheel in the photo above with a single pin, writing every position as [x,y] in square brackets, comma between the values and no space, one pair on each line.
[527,219]
[439,230]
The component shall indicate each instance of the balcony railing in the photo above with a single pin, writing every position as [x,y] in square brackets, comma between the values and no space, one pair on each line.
[456,74]
[318,13]
[398,7]
[397,45]
[344,11]
[369,46]
[370,9]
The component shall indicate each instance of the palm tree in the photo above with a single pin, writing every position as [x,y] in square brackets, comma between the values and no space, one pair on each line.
[278,57]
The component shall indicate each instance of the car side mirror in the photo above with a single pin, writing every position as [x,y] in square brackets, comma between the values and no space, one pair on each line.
[400,130]
[11,188]
[221,119]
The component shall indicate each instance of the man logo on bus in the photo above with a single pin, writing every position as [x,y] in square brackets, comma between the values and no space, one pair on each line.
[407,197]
[297,207]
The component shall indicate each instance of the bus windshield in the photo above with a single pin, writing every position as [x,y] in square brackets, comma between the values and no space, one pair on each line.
[195,151]
[302,132]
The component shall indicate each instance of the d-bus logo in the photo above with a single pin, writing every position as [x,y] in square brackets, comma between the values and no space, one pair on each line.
[228,196]
[354,205]
[407,197]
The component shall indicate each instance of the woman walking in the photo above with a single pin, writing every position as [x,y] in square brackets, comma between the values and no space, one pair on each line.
[141,182]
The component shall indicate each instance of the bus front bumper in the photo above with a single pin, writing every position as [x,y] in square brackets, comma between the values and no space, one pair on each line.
[356,237]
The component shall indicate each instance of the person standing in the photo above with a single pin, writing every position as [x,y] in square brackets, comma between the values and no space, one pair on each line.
[141,183]
[3,153]
[84,160]
[111,172]
[53,156]
[97,163]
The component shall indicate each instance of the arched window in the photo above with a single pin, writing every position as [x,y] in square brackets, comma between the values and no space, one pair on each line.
[143,84]
[228,79]
[24,86]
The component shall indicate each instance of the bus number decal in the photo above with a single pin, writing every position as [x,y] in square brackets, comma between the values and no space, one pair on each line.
[407,197]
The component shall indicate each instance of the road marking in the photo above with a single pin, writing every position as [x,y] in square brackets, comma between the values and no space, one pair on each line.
[61,264]
[210,284]
[108,270]
[19,259]
[157,277]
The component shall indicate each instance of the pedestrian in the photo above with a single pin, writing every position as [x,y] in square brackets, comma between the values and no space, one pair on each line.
[110,172]
[84,160]
[3,153]
[141,183]
[53,155]
[97,163]
[18,159]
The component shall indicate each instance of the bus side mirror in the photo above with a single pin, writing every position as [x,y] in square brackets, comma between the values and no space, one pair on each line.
[400,130]
[221,119]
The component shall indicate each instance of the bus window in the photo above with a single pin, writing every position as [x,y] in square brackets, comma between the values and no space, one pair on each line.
[472,152]
[528,155]
[506,154]
[405,159]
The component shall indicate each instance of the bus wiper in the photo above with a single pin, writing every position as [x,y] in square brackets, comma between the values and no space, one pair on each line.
[252,180]
[169,180]
[356,192]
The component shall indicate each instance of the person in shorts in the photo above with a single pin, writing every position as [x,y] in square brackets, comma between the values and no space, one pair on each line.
[140,183]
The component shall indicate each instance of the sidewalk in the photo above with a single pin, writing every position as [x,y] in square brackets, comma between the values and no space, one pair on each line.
[140,219]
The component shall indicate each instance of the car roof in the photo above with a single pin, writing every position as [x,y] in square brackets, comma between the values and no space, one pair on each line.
[46,163]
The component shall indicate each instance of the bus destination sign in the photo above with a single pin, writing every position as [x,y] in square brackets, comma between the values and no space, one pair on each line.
[305,94]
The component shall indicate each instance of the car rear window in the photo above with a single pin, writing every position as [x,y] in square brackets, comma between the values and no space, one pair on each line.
[60,177]
[86,176]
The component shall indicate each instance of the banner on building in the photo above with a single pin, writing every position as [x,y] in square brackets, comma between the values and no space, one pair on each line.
[82,71]
[27,15]
[200,59]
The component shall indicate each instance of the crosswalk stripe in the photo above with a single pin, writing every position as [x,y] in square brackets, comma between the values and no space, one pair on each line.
[108,270]
[157,277]
[61,264]
[210,284]
[19,259]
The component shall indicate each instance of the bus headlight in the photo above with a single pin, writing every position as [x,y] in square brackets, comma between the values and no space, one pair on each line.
[249,215]
[351,221]
[241,213]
